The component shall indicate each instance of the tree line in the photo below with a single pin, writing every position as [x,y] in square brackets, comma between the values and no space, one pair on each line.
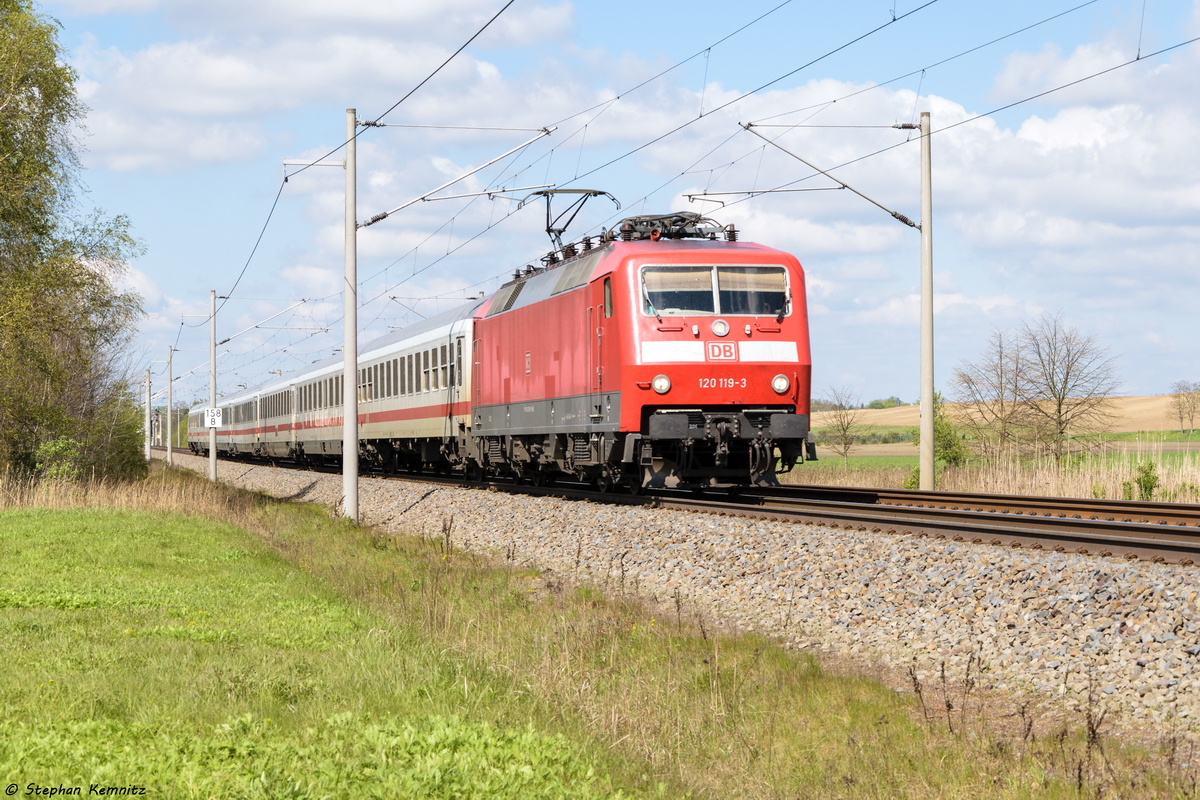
[67,404]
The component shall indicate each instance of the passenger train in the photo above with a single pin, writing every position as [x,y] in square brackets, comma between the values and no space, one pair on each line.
[662,354]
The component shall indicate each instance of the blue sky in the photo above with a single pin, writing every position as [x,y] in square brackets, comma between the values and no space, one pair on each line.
[1085,202]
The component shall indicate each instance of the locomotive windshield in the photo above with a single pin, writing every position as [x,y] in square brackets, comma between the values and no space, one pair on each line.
[702,290]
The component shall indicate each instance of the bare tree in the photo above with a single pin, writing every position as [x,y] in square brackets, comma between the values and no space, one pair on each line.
[1037,387]
[1067,382]
[843,417]
[1185,404]
[989,404]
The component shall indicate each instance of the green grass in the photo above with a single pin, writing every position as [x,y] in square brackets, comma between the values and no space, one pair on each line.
[311,658]
[182,655]
[1153,436]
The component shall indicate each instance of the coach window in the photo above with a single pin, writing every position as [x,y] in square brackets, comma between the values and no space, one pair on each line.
[458,362]
[433,368]
[445,366]
[608,307]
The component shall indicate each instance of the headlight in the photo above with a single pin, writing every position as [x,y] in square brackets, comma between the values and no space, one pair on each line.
[661,384]
[781,384]
[720,327]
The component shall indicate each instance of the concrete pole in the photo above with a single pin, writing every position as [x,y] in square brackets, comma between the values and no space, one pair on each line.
[350,333]
[170,410]
[212,382]
[147,424]
[928,477]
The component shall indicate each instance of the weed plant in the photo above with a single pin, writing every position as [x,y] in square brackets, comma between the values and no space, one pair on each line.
[310,657]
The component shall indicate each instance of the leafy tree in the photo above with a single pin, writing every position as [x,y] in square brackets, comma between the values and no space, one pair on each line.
[949,446]
[64,324]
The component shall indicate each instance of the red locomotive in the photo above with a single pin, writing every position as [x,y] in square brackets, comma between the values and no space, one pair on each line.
[664,354]
[669,355]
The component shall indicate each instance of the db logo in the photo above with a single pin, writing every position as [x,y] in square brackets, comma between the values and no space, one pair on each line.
[722,351]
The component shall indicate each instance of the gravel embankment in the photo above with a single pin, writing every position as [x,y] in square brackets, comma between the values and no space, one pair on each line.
[1045,622]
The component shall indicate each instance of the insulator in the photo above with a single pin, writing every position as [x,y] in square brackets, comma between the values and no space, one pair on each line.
[627,232]
[569,250]
[587,243]
[731,234]
[516,274]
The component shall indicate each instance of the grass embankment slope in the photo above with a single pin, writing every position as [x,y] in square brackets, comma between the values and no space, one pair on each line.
[293,655]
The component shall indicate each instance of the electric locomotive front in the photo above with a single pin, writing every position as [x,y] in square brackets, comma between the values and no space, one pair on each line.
[717,369]
[671,355]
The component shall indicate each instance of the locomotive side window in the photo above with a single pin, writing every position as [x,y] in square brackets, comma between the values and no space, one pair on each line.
[608,306]
[740,290]
[678,290]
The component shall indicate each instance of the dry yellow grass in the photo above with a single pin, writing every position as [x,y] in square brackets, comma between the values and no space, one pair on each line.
[1108,478]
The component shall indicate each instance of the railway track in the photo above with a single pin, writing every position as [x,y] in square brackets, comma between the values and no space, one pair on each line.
[1158,532]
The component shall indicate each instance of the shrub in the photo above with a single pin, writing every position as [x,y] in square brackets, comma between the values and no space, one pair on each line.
[58,460]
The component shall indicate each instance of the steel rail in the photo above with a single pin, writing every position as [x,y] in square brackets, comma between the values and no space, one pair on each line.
[1078,508]
[1031,523]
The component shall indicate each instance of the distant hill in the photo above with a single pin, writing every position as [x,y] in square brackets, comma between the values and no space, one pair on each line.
[1133,414]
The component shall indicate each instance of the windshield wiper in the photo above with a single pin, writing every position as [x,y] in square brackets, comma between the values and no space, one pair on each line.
[646,297]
